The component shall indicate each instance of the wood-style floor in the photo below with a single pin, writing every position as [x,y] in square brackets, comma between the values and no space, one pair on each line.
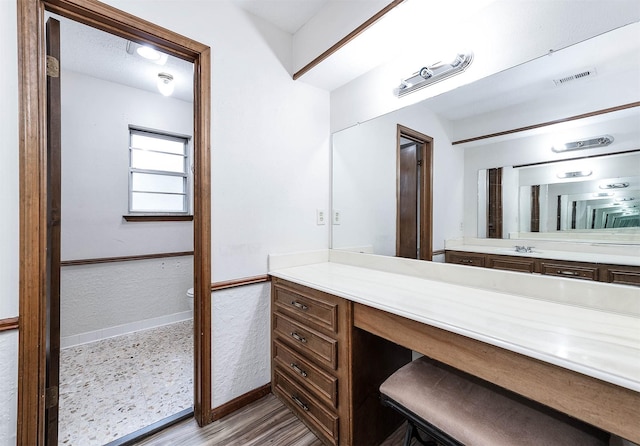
[265,422]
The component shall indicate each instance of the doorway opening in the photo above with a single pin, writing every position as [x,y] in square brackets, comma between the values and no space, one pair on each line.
[414,213]
[126,329]
[35,397]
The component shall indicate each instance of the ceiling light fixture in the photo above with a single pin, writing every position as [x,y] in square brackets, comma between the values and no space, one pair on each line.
[576,174]
[165,84]
[147,53]
[596,141]
[433,73]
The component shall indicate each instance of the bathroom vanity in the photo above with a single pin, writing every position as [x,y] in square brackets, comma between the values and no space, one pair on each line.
[342,322]
[618,264]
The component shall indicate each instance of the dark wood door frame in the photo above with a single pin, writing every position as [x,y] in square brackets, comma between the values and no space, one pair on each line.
[425,144]
[33,195]
[54,214]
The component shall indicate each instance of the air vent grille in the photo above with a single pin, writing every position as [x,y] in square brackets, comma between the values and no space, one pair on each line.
[583,74]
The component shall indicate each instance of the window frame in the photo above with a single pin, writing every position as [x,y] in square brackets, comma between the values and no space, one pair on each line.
[144,215]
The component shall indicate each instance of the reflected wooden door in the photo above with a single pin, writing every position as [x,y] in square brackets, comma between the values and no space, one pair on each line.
[408,200]
[414,214]
[52,330]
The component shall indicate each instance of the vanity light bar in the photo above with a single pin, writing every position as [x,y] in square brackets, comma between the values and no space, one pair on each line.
[576,174]
[434,73]
[614,186]
[596,141]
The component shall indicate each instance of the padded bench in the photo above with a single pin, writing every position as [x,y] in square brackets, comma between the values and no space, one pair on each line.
[453,408]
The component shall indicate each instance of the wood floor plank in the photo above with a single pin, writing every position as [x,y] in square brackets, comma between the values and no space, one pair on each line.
[264,422]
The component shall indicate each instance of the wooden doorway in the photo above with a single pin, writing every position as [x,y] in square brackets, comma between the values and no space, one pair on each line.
[34,235]
[414,214]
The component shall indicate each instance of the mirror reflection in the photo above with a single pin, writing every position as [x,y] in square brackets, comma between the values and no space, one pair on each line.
[574,107]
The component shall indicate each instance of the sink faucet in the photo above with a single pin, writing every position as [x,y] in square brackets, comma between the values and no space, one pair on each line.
[524,248]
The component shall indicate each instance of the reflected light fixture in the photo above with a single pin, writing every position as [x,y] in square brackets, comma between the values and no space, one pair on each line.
[596,141]
[614,186]
[165,84]
[575,174]
[434,73]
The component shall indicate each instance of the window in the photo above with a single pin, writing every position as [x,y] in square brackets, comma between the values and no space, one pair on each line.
[158,173]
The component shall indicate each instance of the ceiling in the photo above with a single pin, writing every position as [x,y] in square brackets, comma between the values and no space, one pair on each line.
[288,15]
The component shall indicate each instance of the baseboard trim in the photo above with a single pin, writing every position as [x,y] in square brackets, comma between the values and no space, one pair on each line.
[240,402]
[119,330]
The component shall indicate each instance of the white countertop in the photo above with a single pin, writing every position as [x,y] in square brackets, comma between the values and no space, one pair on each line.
[602,342]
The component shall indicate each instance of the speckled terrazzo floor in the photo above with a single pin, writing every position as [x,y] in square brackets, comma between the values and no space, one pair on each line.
[116,386]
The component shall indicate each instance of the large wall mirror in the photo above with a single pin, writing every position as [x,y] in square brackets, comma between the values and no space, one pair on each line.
[584,91]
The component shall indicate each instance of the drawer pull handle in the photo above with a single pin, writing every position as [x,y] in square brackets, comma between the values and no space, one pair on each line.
[467,261]
[298,370]
[568,273]
[299,305]
[299,338]
[300,403]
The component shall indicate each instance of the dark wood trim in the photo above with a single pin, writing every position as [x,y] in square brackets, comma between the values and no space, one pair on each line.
[240,402]
[216,286]
[147,218]
[163,255]
[10,323]
[348,38]
[575,159]
[33,194]
[544,124]
[439,252]
[535,208]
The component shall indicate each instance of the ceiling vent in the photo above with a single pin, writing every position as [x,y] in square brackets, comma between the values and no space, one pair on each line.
[582,74]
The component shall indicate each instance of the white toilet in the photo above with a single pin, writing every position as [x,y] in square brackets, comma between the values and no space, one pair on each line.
[190,298]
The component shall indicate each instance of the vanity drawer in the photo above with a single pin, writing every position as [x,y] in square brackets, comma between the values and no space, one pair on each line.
[312,344]
[323,385]
[512,263]
[586,272]
[463,258]
[624,275]
[308,306]
[321,420]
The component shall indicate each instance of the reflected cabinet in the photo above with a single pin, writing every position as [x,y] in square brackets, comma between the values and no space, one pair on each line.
[619,274]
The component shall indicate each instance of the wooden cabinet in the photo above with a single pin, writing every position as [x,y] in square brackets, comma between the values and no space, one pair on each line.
[624,275]
[313,346]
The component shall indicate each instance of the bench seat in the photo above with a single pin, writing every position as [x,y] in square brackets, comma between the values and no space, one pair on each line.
[455,408]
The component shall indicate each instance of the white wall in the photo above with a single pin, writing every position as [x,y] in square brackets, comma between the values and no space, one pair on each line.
[96,115]
[364,179]
[9,199]
[107,299]
[270,164]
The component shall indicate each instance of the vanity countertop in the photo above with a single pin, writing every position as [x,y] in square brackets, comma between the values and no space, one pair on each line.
[604,253]
[590,328]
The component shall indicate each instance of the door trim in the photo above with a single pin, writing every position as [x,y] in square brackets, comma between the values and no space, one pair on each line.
[426,190]
[33,193]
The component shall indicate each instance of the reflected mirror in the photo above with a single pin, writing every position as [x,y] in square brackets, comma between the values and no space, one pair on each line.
[575,99]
